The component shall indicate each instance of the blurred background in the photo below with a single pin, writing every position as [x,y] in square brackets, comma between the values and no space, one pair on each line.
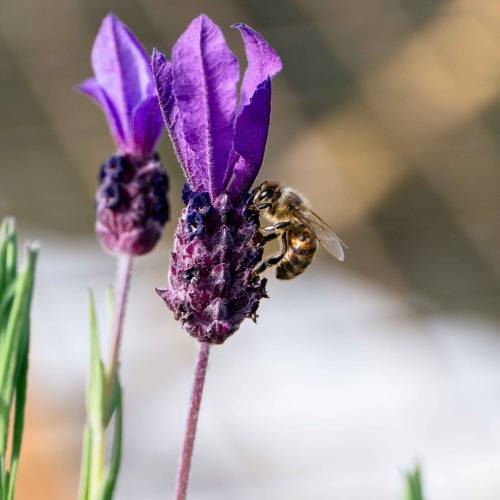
[387,116]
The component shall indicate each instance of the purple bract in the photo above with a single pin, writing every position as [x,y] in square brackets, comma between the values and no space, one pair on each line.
[220,144]
[124,90]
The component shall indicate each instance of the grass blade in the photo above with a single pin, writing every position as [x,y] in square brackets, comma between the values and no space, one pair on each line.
[413,485]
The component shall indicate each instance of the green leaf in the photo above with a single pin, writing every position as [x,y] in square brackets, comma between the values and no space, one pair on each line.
[8,247]
[413,484]
[17,435]
[16,291]
[110,306]
[85,467]
[96,389]
[14,342]
[116,453]
[104,401]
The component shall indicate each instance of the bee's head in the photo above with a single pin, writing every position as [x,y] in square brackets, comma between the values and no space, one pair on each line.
[265,193]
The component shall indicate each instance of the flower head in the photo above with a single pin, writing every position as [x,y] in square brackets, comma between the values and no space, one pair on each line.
[131,203]
[220,144]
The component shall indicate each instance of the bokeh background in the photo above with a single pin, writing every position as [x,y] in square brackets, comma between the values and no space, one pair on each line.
[387,115]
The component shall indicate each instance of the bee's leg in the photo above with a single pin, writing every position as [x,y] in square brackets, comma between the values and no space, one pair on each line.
[270,262]
[276,227]
[270,236]
[275,259]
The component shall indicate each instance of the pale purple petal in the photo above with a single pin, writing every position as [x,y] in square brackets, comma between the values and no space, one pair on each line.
[148,127]
[162,74]
[121,66]
[92,89]
[250,137]
[263,62]
[205,76]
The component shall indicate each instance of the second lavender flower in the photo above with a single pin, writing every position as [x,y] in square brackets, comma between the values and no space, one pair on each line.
[131,203]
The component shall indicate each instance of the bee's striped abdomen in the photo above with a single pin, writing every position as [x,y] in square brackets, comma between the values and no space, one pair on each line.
[301,247]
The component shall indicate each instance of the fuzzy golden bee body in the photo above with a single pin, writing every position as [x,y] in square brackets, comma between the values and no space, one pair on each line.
[299,227]
[300,249]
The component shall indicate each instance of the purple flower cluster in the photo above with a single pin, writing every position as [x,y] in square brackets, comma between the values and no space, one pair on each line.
[220,143]
[131,201]
[212,287]
[131,204]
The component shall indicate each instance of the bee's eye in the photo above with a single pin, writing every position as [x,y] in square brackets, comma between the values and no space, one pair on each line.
[264,194]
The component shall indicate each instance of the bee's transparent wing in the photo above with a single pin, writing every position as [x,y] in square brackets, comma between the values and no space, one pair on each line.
[324,233]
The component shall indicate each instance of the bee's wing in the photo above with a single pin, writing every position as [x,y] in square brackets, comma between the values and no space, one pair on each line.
[324,233]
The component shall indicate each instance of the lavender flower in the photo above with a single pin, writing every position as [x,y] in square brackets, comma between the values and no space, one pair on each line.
[220,144]
[131,204]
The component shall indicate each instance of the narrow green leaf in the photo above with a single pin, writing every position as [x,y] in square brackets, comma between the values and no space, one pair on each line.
[3,476]
[114,469]
[413,484]
[7,275]
[11,254]
[13,341]
[7,247]
[110,306]
[85,467]
[16,291]
[97,374]
[19,411]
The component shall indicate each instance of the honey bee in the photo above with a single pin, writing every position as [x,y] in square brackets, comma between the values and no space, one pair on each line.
[299,227]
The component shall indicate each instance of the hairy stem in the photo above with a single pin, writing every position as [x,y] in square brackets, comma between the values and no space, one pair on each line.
[192,421]
[122,286]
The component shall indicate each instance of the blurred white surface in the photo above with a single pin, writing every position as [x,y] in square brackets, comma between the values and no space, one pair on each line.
[337,389]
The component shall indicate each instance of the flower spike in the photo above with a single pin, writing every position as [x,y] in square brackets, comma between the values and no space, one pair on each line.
[131,204]
[220,144]
[212,286]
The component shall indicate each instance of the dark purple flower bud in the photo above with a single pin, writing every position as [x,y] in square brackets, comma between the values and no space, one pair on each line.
[115,197]
[195,224]
[131,205]
[187,193]
[220,143]
[200,201]
[212,287]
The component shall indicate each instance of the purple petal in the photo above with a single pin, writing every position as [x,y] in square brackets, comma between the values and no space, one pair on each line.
[250,137]
[162,74]
[263,62]
[205,76]
[121,67]
[92,89]
[148,127]
[252,122]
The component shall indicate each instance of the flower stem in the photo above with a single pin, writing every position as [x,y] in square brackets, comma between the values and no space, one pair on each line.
[123,275]
[192,421]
